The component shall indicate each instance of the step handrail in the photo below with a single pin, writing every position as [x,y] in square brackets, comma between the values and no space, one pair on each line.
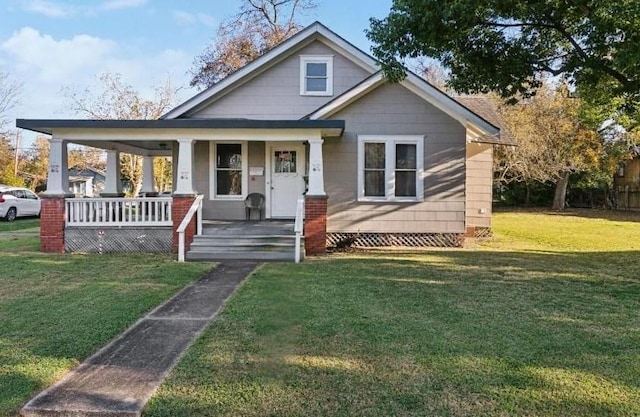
[196,207]
[298,227]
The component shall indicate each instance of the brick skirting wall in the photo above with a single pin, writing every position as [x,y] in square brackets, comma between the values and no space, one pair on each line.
[315,225]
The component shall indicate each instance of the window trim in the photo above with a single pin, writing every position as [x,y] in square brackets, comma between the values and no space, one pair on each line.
[316,59]
[213,147]
[390,169]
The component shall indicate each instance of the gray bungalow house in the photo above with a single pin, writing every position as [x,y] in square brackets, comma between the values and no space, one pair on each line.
[312,127]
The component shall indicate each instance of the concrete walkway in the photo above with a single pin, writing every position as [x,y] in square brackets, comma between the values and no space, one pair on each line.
[121,377]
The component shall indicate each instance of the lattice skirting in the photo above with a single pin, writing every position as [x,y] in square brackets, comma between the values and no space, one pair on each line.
[118,240]
[482,233]
[372,240]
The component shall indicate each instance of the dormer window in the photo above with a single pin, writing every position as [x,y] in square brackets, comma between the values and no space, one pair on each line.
[316,75]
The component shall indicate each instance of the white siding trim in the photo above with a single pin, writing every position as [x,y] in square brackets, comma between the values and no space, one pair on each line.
[390,155]
[212,172]
[316,59]
[349,97]
[447,104]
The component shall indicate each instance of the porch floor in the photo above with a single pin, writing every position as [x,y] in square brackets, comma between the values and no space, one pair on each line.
[248,227]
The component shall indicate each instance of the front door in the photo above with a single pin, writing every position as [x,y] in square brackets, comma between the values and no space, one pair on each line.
[287,178]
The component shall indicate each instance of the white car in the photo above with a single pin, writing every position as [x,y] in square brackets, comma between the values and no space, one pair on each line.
[17,202]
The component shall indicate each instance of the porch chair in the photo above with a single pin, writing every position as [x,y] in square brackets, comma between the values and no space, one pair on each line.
[254,201]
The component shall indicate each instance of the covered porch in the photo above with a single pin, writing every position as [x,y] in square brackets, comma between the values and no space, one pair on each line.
[216,165]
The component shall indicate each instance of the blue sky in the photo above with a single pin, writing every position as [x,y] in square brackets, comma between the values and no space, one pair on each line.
[49,44]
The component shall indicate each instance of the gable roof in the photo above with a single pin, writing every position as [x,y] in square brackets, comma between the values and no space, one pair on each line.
[489,131]
[425,90]
[488,110]
[315,31]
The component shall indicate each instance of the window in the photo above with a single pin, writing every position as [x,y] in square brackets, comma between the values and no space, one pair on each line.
[390,168]
[229,179]
[316,75]
[285,162]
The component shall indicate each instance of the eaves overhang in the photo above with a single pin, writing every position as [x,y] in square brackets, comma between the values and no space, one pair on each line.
[329,128]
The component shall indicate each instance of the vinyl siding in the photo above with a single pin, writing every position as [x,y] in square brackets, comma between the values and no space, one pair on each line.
[275,94]
[392,109]
[479,184]
[225,210]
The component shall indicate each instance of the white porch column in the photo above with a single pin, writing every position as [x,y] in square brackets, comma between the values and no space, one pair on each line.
[58,174]
[112,183]
[147,175]
[316,168]
[184,180]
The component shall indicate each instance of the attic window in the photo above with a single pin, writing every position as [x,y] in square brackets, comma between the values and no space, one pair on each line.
[316,75]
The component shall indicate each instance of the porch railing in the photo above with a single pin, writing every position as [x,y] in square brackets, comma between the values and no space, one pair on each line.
[298,227]
[196,207]
[121,212]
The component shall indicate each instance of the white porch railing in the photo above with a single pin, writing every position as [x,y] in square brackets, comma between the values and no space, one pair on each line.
[196,207]
[121,212]
[298,227]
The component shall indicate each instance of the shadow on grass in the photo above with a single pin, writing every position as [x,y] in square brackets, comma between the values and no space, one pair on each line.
[437,333]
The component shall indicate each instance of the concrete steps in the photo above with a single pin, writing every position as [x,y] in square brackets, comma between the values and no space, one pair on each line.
[255,244]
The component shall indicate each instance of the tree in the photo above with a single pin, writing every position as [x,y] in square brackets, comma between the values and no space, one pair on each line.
[257,27]
[510,46]
[431,71]
[118,100]
[36,163]
[7,160]
[553,142]
[9,98]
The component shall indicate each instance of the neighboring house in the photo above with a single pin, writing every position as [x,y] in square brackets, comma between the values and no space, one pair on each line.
[381,163]
[626,182]
[86,182]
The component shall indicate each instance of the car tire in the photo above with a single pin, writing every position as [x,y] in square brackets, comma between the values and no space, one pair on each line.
[11,214]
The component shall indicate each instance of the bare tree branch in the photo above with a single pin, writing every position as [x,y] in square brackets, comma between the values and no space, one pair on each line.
[9,98]
[256,28]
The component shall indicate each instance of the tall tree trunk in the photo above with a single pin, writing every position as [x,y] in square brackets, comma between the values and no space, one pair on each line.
[560,197]
[527,195]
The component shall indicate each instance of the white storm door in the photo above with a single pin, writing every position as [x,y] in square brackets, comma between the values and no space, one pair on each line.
[287,178]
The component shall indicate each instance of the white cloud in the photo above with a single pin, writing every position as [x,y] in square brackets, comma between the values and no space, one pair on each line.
[47,8]
[184,18]
[50,60]
[44,64]
[189,19]
[122,4]
[207,20]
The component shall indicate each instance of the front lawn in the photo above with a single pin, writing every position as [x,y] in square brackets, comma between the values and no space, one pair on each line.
[55,310]
[20,223]
[541,321]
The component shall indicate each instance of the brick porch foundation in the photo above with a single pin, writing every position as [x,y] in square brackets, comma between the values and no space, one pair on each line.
[179,209]
[315,225]
[52,222]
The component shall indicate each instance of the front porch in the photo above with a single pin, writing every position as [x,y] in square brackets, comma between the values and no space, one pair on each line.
[217,164]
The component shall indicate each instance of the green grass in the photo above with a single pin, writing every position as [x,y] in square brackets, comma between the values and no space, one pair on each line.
[55,310]
[541,321]
[19,224]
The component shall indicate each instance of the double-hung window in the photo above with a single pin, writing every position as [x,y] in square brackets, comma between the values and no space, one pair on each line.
[316,75]
[229,170]
[390,168]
